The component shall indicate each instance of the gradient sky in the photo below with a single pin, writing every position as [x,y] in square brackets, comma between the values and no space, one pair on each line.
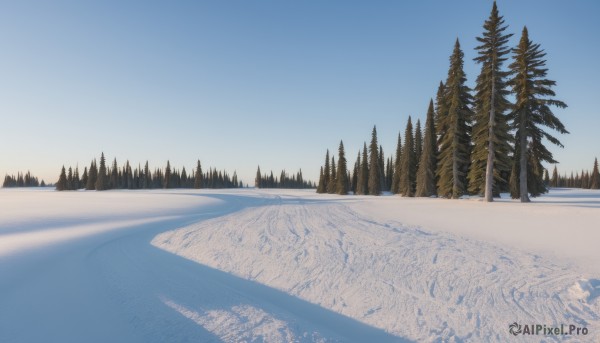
[244,83]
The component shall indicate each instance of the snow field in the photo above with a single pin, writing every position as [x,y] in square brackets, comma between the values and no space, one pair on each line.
[415,283]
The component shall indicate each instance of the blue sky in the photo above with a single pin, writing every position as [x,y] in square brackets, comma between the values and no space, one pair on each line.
[244,83]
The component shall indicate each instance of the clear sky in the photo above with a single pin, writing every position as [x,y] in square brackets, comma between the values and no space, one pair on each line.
[244,83]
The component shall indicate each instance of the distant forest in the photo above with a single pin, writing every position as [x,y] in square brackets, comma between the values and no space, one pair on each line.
[22,180]
[100,176]
[475,141]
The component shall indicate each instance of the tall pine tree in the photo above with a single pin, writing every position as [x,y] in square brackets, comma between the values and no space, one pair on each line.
[363,173]
[198,176]
[594,182]
[62,185]
[397,167]
[532,111]
[455,140]
[491,138]
[341,179]
[102,177]
[418,139]
[374,172]
[409,163]
[428,159]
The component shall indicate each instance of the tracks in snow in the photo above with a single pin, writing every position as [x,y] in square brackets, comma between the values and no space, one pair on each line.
[412,283]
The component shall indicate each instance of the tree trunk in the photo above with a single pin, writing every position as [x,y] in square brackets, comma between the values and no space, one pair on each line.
[489,170]
[455,190]
[523,162]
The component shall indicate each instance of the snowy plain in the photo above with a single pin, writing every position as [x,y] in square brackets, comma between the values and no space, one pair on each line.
[293,266]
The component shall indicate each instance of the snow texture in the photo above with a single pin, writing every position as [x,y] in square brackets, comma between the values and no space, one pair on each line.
[293,266]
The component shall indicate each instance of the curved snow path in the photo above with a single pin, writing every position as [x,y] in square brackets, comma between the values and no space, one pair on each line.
[427,286]
[105,282]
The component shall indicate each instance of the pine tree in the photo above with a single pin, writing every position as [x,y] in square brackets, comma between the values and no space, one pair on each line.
[363,173]
[418,141]
[532,108]
[428,159]
[84,178]
[409,163]
[374,172]
[114,176]
[76,180]
[455,142]
[326,172]
[92,177]
[321,186]
[389,173]
[341,179]
[441,112]
[595,177]
[491,138]
[397,167]
[198,176]
[70,185]
[61,185]
[258,179]
[167,179]
[554,180]
[355,173]
[147,177]
[102,178]
[331,184]
[381,159]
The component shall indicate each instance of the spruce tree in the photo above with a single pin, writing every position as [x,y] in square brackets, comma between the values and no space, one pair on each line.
[441,112]
[114,176]
[84,178]
[363,173]
[102,178]
[428,159]
[418,141]
[455,141]
[76,180]
[595,177]
[491,138]
[532,109]
[61,185]
[70,185]
[147,177]
[331,184]
[355,173]
[326,172]
[397,167]
[167,179]
[381,158]
[321,186]
[554,180]
[92,176]
[389,173]
[198,176]
[341,179]
[409,163]
[374,172]
[258,179]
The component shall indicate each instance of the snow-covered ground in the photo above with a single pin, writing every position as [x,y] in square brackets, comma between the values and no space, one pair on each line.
[285,266]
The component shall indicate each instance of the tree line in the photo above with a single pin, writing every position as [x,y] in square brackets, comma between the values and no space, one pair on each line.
[100,176]
[585,179]
[22,180]
[284,180]
[475,141]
